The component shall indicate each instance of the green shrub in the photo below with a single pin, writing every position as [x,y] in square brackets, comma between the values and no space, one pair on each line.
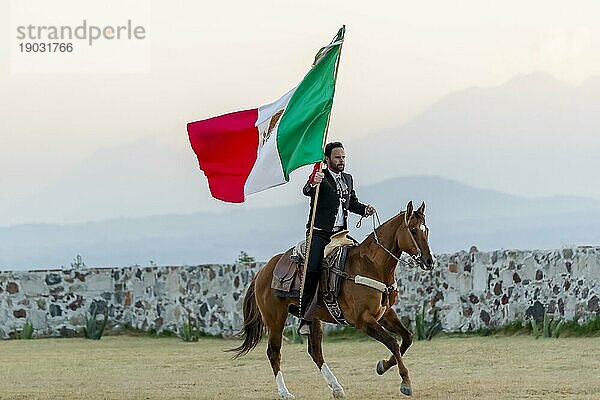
[189,331]
[535,331]
[483,331]
[554,328]
[291,333]
[166,333]
[93,328]
[589,328]
[513,328]
[345,333]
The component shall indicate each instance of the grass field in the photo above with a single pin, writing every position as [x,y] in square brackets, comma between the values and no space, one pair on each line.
[123,367]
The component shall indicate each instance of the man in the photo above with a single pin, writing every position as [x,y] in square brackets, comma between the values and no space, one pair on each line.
[336,198]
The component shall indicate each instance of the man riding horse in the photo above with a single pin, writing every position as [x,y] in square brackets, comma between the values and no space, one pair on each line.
[368,290]
[366,298]
[336,198]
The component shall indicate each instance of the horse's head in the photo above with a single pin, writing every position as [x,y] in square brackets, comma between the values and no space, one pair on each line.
[413,236]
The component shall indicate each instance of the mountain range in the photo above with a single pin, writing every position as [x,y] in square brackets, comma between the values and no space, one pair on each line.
[532,135]
[458,217]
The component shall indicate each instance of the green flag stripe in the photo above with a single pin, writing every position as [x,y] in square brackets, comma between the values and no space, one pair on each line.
[302,126]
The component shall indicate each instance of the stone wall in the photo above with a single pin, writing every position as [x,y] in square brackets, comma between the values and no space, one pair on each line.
[471,290]
[147,298]
[478,289]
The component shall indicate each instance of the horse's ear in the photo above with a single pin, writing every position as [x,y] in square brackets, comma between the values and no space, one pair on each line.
[409,211]
[422,208]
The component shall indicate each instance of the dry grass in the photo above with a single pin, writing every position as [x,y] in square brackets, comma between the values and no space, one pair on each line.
[445,368]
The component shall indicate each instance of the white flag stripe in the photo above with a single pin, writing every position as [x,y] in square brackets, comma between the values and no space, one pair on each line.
[267,171]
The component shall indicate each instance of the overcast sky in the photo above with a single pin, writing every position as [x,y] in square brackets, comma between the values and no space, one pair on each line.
[209,58]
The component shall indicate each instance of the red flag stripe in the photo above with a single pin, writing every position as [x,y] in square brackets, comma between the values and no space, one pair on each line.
[226,147]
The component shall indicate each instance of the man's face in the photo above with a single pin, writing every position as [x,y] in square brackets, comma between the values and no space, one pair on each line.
[337,161]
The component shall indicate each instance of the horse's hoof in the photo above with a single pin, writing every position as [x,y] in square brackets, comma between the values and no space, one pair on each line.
[380,368]
[405,390]
[287,395]
[338,393]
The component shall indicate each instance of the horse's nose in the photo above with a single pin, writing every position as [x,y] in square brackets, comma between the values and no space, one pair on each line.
[429,262]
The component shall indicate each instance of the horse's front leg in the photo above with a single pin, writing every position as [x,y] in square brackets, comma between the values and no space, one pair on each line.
[392,323]
[316,352]
[372,328]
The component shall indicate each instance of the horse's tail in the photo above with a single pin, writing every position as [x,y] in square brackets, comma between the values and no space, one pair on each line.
[253,324]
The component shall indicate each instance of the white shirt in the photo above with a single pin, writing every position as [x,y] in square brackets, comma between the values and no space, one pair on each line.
[339,218]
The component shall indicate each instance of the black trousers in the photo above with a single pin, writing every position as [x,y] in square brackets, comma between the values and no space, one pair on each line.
[320,239]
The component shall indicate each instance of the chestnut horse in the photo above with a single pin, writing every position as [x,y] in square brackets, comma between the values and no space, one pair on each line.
[364,307]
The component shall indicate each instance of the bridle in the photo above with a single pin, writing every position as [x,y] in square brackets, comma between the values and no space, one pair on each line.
[417,258]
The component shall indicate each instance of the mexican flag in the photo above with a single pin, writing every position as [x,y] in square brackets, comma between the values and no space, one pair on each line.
[249,151]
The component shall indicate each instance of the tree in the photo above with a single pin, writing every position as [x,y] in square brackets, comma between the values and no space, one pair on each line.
[244,258]
[78,262]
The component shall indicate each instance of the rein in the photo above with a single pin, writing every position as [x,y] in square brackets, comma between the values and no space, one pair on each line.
[374,216]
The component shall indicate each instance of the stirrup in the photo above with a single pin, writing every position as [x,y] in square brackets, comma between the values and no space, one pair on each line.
[304,330]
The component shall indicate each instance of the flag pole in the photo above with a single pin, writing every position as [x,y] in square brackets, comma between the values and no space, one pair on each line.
[314,207]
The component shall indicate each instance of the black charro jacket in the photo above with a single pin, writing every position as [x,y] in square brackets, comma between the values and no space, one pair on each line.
[329,201]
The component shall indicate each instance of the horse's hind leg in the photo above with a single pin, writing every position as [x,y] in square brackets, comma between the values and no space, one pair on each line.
[391,322]
[372,328]
[275,328]
[273,311]
[316,352]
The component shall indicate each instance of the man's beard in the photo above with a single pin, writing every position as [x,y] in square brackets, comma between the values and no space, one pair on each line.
[337,168]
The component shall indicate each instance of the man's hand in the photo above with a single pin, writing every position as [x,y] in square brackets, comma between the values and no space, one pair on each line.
[318,178]
[369,210]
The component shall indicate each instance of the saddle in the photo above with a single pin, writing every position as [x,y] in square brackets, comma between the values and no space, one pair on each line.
[287,273]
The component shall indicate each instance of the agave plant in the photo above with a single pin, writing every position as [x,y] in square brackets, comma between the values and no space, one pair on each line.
[93,328]
[550,327]
[26,332]
[426,330]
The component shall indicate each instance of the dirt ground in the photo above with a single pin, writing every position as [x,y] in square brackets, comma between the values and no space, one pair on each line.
[446,368]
